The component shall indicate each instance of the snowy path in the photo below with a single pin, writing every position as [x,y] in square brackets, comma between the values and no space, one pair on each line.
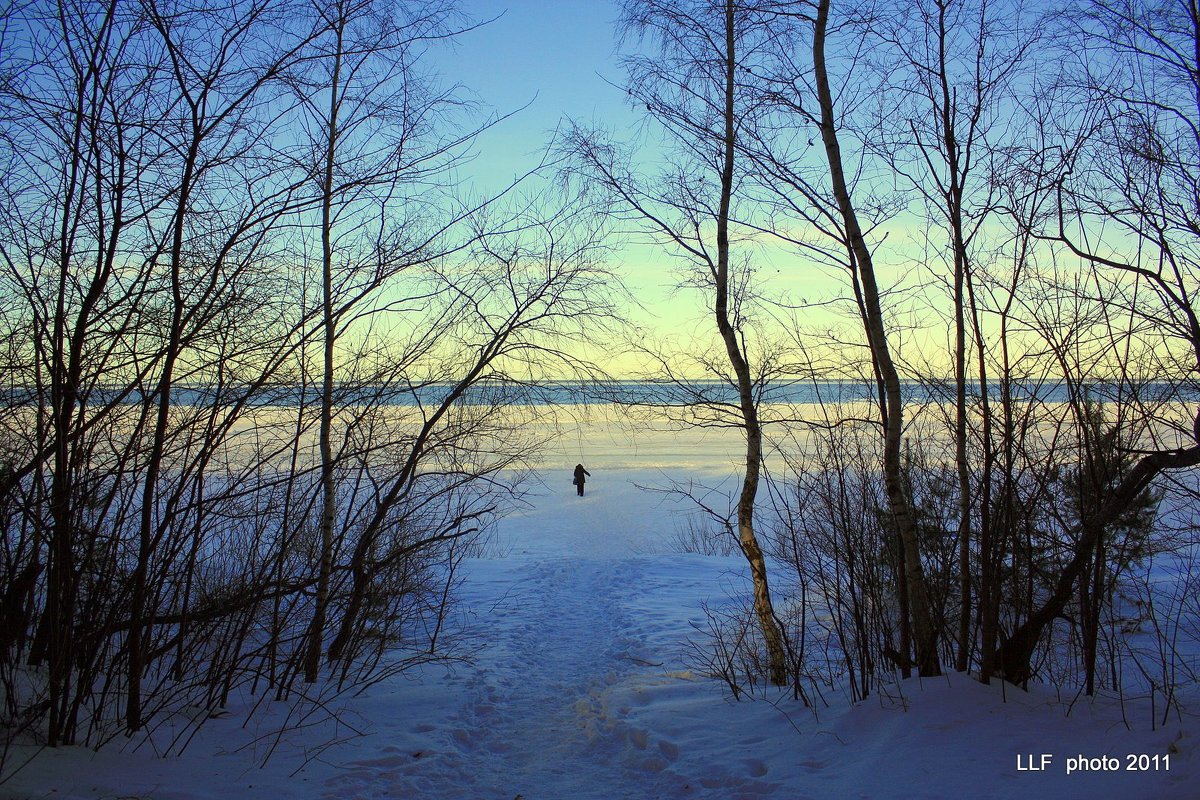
[567,635]
[536,705]
[579,690]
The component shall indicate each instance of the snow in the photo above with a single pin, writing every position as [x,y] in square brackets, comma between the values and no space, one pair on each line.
[583,683]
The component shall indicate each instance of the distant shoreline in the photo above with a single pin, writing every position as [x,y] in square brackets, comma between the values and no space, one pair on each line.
[617,392]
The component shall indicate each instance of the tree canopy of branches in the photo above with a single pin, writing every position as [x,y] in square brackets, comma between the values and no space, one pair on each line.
[1052,200]
[1024,177]
[261,352]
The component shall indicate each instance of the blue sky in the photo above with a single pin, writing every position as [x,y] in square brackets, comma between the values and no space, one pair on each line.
[558,61]
[554,57]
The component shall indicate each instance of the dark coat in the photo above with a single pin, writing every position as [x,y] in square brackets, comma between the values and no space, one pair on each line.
[579,473]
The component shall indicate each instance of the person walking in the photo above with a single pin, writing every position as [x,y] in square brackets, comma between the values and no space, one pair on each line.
[580,472]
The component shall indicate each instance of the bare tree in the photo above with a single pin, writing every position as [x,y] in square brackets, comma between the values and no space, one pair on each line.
[220,81]
[160,480]
[370,119]
[692,89]
[78,161]
[1133,169]
[953,76]
[803,106]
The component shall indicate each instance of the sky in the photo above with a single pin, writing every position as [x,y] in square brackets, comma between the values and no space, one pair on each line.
[546,63]
[549,62]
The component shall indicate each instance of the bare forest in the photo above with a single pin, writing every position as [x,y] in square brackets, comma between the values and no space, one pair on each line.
[994,209]
[265,356]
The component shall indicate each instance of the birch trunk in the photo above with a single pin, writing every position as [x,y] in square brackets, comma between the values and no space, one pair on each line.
[924,634]
[763,608]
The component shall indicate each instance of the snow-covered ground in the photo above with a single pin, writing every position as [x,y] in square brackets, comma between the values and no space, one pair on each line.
[581,686]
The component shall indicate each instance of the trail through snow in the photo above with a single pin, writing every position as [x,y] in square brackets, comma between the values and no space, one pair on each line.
[562,621]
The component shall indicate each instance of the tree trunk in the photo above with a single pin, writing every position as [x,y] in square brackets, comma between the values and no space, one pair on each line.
[924,634]
[1014,655]
[960,459]
[312,659]
[146,536]
[763,608]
